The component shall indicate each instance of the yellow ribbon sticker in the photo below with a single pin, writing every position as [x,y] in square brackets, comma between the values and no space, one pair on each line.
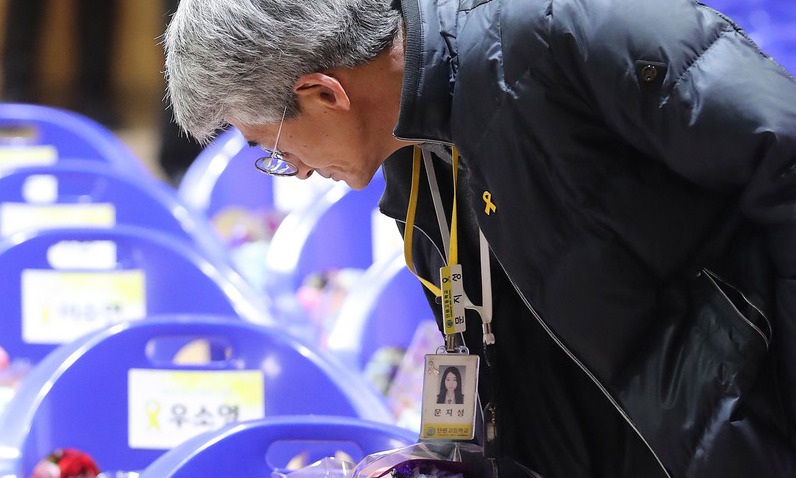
[152,411]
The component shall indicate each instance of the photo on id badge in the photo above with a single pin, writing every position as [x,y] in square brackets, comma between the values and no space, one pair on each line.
[449,396]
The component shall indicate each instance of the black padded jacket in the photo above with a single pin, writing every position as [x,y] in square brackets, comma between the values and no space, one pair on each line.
[640,156]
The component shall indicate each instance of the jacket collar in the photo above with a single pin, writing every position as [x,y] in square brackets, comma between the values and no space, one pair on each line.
[429,70]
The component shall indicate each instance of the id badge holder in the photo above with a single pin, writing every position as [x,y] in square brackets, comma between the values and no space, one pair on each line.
[450,385]
[450,380]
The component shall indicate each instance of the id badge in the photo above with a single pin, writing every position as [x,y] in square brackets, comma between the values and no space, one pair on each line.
[452,299]
[450,387]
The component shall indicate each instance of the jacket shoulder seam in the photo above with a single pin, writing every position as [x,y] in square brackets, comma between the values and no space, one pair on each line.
[698,58]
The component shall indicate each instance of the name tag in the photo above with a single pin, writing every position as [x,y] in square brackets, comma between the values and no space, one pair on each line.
[21,156]
[167,407]
[60,306]
[15,217]
[450,388]
[452,286]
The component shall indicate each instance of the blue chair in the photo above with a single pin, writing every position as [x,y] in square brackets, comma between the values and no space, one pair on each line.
[383,330]
[334,232]
[70,135]
[257,448]
[244,205]
[89,394]
[770,23]
[59,283]
[384,309]
[223,176]
[214,181]
[80,189]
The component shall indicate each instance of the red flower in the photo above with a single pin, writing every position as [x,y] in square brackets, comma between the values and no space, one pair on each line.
[74,463]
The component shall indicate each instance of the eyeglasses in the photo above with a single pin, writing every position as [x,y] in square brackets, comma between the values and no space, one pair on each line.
[274,162]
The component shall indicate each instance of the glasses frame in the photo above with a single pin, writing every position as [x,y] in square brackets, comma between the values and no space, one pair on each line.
[274,162]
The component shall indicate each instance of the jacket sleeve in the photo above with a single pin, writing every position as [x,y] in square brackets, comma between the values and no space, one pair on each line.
[684,84]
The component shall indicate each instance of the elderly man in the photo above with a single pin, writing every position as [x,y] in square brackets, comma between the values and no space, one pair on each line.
[616,180]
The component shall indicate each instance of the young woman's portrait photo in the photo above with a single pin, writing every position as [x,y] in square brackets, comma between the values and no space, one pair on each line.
[450,387]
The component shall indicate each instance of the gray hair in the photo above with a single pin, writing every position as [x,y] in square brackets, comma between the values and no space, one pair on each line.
[240,58]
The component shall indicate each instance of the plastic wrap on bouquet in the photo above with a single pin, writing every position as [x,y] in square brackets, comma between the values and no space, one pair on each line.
[329,467]
[429,460]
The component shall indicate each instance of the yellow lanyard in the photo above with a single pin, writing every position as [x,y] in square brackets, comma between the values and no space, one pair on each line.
[485,309]
[453,252]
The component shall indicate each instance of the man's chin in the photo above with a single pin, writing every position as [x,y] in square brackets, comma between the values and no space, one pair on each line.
[360,182]
[355,185]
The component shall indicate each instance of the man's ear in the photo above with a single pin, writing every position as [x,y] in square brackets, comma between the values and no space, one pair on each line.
[323,88]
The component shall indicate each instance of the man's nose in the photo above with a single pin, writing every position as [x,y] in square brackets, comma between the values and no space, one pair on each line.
[304,173]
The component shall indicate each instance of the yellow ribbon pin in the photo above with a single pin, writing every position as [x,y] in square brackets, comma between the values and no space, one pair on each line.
[432,369]
[490,206]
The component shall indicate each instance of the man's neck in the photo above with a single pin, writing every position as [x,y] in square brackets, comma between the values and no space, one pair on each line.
[375,89]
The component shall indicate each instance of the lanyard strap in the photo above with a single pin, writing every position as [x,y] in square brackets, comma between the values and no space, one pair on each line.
[453,254]
[410,223]
[442,221]
[453,250]
[485,310]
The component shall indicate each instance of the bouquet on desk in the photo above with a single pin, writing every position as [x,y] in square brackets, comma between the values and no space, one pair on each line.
[420,460]
[427,460]
[66,463]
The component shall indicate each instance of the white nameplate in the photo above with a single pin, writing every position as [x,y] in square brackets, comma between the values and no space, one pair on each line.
[167,407]
[15,217]
[21,156]
[60,306]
